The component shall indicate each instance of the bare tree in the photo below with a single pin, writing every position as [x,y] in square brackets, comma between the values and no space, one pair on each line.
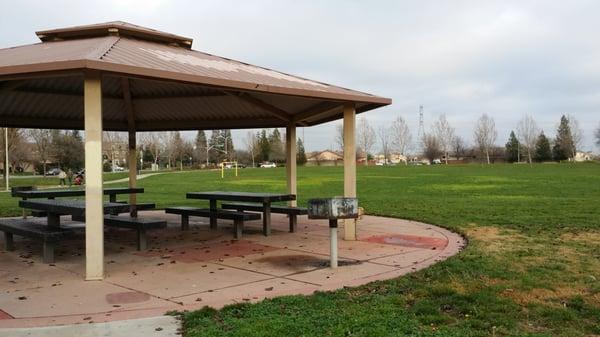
[366,137]
[155,142]
[485,135]
[252,145]
[384,139]
[459,147]
[445,135]
[401,137]
[576,134]
[113,144]
[431,147]
[527,133]
[598,136]
[17,153]
[339,136]
[42,138]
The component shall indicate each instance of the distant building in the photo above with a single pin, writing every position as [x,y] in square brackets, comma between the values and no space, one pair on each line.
[324,158]
[583,156]
[394,158]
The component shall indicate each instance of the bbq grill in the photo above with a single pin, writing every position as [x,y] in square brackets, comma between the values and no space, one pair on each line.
[333,209]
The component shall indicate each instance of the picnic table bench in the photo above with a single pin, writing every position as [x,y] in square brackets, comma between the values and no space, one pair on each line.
[35,229]
[263,198]
[237,217]
[140,225]
[51,194]
[51,231]
[292,212]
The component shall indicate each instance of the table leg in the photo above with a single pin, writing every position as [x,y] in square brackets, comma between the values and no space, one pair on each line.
[213,214]
[53,220]
[266,218]
[24,211]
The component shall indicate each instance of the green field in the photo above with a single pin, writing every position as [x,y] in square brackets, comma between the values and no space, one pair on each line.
[532,266]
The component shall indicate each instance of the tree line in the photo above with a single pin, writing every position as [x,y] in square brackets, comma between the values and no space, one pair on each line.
[527,143]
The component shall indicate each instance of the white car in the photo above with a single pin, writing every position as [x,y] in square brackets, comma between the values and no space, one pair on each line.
[268,165]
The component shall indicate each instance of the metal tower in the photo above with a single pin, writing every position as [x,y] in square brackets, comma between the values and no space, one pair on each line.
[421,132]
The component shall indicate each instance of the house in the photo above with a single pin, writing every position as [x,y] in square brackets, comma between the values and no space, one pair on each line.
[394,158]
[324,158]
[583,156]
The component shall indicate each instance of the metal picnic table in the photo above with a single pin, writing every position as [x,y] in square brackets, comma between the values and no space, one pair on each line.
[55,208]
[264,198]
[51,194]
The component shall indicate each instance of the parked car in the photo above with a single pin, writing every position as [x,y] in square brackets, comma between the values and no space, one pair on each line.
[118,169]
[268,164]
[53,172]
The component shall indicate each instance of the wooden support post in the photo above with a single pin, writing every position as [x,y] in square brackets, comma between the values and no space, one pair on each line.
[132,161]
[290,165]
[132,155]
[349,165]
[94,214]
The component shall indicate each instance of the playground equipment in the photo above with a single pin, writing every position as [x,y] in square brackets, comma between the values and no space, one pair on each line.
[229,164]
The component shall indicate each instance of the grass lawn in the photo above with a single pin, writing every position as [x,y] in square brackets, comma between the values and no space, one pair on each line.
[532,266]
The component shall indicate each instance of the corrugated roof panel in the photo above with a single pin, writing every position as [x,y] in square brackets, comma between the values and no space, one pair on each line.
[60,51]
[157,56]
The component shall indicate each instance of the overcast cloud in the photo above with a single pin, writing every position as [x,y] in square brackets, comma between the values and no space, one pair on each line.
[461,58]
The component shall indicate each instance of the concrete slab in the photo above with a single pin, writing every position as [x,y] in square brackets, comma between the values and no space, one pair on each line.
[342,274]
[162,326]
[191,269]
[251,292]
[179,279]
[278,262]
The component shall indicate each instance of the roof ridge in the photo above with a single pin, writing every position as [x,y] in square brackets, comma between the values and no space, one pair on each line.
[102,49]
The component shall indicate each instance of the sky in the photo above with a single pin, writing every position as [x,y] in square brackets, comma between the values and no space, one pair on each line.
[459,58]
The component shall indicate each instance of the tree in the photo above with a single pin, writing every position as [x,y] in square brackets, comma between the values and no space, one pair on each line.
[339,136]
[564,148]
[68,149]
[42,138]
[252,146]
[485,135]
[264,145]
[459,147]
[112,144]
[277,147]
[17,153]
[384,139]
[527,133]
[576,134]
[512,148]
[431,147]
[228,144]
[445,134]
[200,145]
[400,134]
[542,148]
[216,147]
[598,136]
[300,153]
[155,143]
[177,148]
[366,137]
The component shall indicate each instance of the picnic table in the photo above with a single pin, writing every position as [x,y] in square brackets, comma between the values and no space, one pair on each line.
[51,194]
[56,208]
[264,198]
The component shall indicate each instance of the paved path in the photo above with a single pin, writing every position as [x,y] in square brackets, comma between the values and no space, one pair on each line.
[161,326]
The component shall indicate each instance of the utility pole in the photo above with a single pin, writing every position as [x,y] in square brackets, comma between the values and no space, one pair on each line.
[6,157]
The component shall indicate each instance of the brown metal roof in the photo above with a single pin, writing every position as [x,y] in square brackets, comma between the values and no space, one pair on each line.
[172,87]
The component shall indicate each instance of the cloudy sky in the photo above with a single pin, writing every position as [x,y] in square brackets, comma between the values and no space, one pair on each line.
[461,58]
